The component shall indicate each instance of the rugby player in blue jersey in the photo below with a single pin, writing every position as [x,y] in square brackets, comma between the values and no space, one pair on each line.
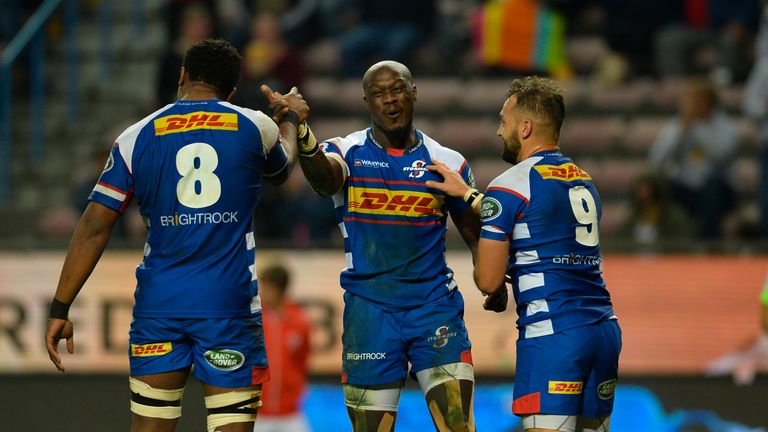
[195,168]
[402,306]
[540,230]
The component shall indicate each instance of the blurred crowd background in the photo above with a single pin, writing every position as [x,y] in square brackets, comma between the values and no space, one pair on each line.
[666,101]
[667,109]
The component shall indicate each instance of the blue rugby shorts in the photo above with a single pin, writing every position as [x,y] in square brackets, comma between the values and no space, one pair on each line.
[573,372]
[227,353]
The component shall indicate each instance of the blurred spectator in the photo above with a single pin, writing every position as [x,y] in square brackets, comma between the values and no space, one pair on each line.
[196,24]
[175,11]
[693,152]
[755,105]
[268,59]
[384,30]
[234,19]
[713,36]
[627,27]
[654,217]
[522,36]
[300,20]
[286,331]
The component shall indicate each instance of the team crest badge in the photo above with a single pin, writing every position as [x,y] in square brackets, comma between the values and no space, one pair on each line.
[110,163]
[417,169]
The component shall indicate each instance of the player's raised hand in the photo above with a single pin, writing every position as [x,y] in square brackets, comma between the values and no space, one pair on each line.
[59,329]
[453,184]
[297,104]
[277,103]
[280,104]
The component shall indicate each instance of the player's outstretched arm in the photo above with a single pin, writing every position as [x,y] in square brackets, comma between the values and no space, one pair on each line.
[326,176]
[88,243]
[288,112]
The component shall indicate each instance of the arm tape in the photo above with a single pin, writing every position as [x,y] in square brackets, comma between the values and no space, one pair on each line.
[307,142]
[59,310]
[473,197]
[290,117]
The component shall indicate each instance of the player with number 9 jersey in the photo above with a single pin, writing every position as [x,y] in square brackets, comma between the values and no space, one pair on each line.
[540,232]
[548,209]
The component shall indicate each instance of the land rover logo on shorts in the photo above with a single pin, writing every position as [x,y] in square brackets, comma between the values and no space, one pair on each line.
[224,359]
[606,389]
[490,209]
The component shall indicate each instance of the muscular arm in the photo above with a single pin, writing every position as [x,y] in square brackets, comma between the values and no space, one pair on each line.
[468,225]
[325,175]
[288,140]
[88,243]
[491,264]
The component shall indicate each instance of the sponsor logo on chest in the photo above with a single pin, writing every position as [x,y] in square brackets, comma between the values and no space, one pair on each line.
[389,202]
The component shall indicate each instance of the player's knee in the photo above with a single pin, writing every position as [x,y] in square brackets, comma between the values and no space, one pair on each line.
[147,401]
[560,423]
[449,393]
[232,407]
[371,399]
[600,424]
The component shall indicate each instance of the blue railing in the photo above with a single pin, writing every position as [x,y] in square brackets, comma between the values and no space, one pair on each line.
[32,35]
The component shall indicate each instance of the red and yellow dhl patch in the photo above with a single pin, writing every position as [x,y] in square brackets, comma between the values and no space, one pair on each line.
[566,172]
[387,202]
[196,120]
[153,349]
[566,387]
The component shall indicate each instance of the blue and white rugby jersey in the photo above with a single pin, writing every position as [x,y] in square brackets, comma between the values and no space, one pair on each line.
[393,225]
[549,210]
[195,169]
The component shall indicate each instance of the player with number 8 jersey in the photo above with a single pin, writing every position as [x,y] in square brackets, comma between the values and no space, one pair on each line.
[195,168]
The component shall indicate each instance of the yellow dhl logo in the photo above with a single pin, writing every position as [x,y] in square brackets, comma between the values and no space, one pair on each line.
[566,387]
[196,120]
[566,172]
[153,349]
[388,202]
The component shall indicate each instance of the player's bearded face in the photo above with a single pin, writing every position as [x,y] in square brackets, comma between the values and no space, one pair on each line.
[511,151]
[509,132]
